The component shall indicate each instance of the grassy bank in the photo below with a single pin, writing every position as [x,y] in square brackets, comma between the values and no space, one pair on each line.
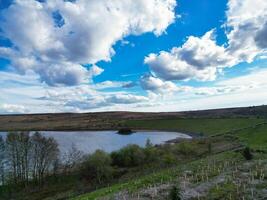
[170,176]
[221,175]
[207,126]
[254,137]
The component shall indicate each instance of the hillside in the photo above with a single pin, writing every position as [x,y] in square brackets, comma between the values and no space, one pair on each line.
[114,120]
[212,166]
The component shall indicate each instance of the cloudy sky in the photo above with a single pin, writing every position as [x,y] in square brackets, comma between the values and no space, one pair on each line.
[136,55]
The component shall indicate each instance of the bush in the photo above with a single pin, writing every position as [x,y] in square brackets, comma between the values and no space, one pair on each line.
[97,166]
[129,156]
[247,154]
[175,193]
[186,148]
[151,155]
[169,159]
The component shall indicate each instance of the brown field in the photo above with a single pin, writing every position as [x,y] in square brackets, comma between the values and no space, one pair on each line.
[113,120]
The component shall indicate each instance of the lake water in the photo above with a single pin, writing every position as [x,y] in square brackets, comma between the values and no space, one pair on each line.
[89,141]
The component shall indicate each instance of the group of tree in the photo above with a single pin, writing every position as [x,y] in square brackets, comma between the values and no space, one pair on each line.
[26,157]
[102,167]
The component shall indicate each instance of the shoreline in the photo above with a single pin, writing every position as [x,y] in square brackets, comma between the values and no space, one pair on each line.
[191,134]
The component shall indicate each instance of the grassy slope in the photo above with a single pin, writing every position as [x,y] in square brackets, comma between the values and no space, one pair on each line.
[164,176]
[255,137]
[206,126]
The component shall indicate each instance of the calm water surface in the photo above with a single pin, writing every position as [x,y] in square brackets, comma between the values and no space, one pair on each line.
[89,141]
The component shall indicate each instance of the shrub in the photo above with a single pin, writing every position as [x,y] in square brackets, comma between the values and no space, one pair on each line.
[97,166]
[186,148]
[169,159]
[151,154]
[247,154]
[175,193]
[129,156]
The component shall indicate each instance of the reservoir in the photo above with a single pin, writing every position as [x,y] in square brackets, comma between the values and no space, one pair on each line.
[89,141]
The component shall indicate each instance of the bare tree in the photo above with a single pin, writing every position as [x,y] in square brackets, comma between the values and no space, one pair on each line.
[2,160]
[18,147]
[30,157]
[72,159]
[12,154]
[25,148]
[45,154]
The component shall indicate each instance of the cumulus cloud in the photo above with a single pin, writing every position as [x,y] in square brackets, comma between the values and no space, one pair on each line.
[56,38]
[156,85]
[246,20]
[200,58]
[261,36]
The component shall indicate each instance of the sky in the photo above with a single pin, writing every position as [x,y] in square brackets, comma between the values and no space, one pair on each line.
[131,55]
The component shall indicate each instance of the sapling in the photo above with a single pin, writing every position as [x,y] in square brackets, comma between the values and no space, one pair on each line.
[175,193]
[252,193]
[247,154]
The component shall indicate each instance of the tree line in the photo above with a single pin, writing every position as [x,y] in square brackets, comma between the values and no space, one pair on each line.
[26,157]
[31,163]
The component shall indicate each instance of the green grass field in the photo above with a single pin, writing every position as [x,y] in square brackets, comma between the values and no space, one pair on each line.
[254,137]
[205,126]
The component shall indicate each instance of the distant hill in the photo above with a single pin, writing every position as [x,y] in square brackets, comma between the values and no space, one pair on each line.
[113,120]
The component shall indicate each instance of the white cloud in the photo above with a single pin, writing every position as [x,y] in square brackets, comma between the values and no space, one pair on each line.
[220,90]
[25,94]
[12,109]
[86,35]
[126,99]
[256,77]
[101,101]
[245,90]
[202,59]
[198,58]
[85,98]
[156,85]
[246,20]
[95,70]
[114,84]
[168,88]
[64,74]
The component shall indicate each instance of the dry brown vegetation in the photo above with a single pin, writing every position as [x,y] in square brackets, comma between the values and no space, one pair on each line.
[112,120]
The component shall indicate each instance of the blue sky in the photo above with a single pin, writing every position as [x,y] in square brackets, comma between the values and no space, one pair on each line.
[205,15]
[145,55]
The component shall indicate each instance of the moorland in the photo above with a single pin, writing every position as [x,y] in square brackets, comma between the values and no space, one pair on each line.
[226,159]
